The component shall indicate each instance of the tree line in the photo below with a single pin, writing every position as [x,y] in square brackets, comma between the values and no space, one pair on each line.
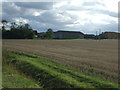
[21,31]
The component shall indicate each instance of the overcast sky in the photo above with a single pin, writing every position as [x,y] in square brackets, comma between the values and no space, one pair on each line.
[87,16]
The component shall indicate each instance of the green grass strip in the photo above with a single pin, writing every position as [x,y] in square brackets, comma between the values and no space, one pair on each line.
[67,77]
[60,77]
[77,75]
[11,78]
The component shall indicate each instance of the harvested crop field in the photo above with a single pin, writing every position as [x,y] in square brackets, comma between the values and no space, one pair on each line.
[92,57]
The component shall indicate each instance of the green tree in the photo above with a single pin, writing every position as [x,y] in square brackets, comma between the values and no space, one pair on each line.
[27,31]
[13,26]
[49,33]
[24,31]
[4,22]
[21,31]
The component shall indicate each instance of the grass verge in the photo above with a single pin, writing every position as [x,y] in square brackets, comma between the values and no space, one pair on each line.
[12,78]
[52,75]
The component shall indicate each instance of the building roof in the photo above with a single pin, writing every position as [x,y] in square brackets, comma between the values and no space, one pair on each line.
[69,31]
[111,32]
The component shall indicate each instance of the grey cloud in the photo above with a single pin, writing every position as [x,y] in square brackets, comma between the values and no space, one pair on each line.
[25,8]
[106,12]
[89,7]
[92,28]
[92,3]
[49,18]
[36,5]
[8,8]
[95,10]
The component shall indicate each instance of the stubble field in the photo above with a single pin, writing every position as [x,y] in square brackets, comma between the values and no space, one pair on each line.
[92,57]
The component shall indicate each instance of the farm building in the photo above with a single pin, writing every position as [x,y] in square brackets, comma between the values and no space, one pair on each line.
[68,35]
[109,35]
[89,36]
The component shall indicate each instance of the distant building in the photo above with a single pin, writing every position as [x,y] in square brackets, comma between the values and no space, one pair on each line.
[68,35]
[89,36]
[41,35]
[109,35]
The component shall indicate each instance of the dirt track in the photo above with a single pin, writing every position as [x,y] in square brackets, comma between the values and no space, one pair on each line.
[99,54]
